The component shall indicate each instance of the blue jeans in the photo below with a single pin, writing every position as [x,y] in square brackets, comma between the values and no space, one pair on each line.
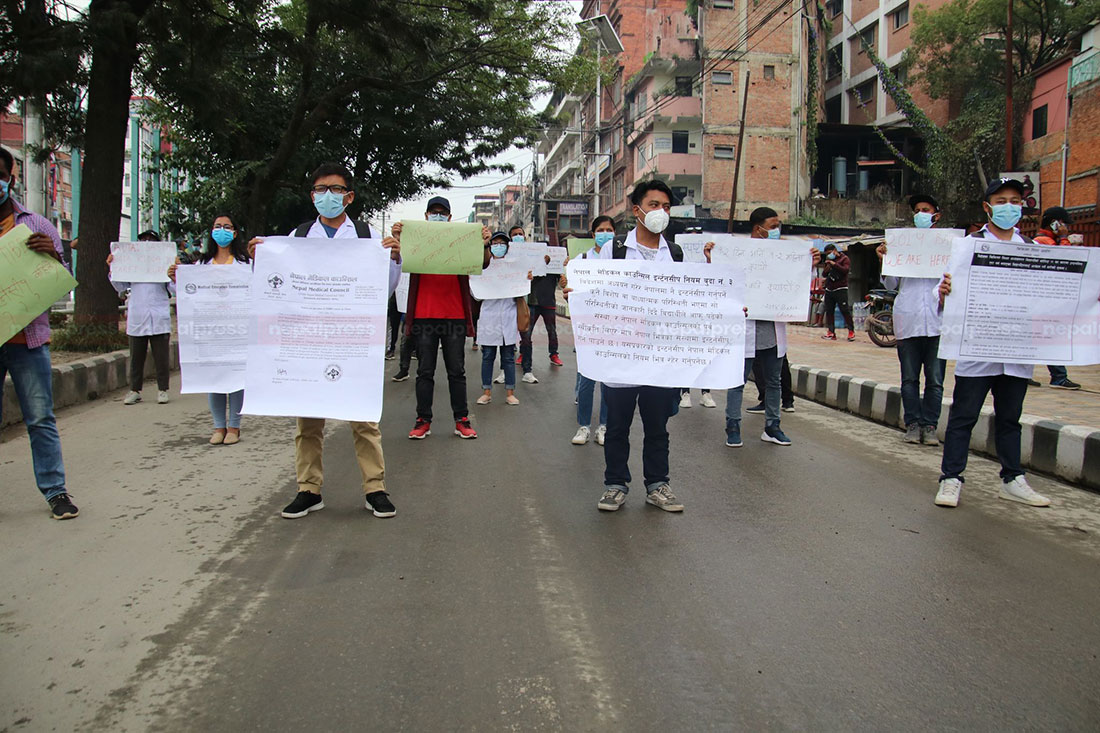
[1008,404]
[1058,374]
[773,389]
[217,409]
[914,354]
[586,389]
[33,380]
[507,363]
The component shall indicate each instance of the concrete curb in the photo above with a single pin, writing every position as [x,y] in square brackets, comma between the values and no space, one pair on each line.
[86,380]
[1070,452]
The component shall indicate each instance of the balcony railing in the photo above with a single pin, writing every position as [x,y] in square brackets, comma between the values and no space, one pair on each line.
[1084,71]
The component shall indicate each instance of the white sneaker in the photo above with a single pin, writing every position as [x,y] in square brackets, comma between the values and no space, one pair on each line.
[685,400]
[530,378]
[707,401]
[582,435]
[1018,490]
[601,431]
[948,495]
[132,399]
[484,399]
[162,398]
[499,379]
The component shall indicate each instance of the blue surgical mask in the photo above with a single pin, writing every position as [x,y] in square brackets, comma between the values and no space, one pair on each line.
[923,220]
[603,238]
[831,256]
[518,238]
[775,233]
[221,237]
[1005,216]
[437,217]
[328,204]
[498,250]
[4,191]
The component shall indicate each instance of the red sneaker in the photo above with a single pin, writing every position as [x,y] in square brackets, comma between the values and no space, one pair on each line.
[421,430]
[519,359]
[829,336]
[851,335]
[463,429]
[555,360]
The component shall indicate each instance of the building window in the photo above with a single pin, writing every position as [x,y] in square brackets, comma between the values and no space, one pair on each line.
[833,110]
[722,77]
[769,72]
[900,16]
[723,151]
[901,74]
[866,38]
[834,7]
[723,4]
[1039,122]
[864,93]
[834,62]
[679,141]
[683,86]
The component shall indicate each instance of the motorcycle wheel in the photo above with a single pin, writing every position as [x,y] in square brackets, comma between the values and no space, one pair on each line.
[880,327]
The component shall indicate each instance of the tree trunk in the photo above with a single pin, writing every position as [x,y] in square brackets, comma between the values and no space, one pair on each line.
[113,25]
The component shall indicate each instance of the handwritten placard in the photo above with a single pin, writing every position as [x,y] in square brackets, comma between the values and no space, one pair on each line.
[578,247]
[503,278]
[692,244]
[556,265]
[534,253]
[918,252]
[777,274]
[441,247]
[142,262]
[30,282]
[402,293]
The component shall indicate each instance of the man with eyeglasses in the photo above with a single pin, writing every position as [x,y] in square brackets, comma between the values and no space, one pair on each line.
[332,192]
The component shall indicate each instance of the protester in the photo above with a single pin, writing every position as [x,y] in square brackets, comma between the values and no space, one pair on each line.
[184,255]
[1054,229]
[498,330]
[406,351]
[393,327]
[224,246]
[439,315]
[332,190]
[835,272]
[1003,205]
[917,321]
[651,201]
[26,356]
[785,382]
[603,231]
[149,326]
[544,305]
[766,342]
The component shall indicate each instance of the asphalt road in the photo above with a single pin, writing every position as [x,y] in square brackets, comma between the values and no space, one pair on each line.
[809,587]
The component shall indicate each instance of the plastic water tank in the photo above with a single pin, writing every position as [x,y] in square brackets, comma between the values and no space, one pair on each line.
[840,176]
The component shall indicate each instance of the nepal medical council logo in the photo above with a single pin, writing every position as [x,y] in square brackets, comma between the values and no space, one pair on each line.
[275,281]
[333,372]
[191,288]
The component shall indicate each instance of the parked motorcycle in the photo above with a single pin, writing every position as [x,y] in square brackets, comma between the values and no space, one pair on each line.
[880,321]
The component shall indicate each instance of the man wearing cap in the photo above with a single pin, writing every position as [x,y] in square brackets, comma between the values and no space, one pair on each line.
[917,319]
[1054,230]
[439,315]
[835,273]
[1003,206]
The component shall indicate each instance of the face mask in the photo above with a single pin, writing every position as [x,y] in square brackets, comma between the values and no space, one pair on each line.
[329,205]
[4,191]
[656,221]
[518,238]
[437,217]
[1005,216]
[923,220]
[603,238]
[831,256]
[222,237]
[498,250]
[774,233]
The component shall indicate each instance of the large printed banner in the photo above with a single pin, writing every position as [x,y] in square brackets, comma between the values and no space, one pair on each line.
[918,252]
[212,308]
[663,324]
[318,329]
[142,262]
[777,272]
[1024,303]
[30,282]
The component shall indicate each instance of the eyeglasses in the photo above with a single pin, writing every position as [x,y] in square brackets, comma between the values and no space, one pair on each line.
[227,227]
[333,189]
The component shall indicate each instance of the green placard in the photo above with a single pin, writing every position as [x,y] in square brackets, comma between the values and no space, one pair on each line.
[30,282]
[579,246]
[441,248]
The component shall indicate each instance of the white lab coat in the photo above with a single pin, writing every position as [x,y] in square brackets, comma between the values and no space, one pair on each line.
[347,231]
[148,309]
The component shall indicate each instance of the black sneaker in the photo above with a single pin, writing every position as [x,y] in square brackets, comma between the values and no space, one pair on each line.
[62,507]
[1034,383]
[304,503]
[1065,384]
[401,376]
[756,409]
[379,502]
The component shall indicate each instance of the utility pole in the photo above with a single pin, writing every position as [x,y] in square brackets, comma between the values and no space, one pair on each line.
[1008,91]
[740,147]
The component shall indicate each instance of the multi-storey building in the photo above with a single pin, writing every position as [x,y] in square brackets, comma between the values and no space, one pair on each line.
[485,209]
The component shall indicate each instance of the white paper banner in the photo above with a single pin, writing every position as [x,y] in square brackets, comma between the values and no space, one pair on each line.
[402,293]
[1023,303]
[142,262]
[692,244]
[918,252]
[557,256]
[503,278]
[777,274]
[664,324]
[212,310]
[534,252]
[318,329]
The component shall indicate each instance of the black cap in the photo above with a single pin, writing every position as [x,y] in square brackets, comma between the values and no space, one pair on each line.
[999,183]
[1056,213]
[499,235]
[149,235]
[434,200]
[829,246]
[918,198]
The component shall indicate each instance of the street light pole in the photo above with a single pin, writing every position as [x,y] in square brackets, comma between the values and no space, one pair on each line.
[599,110]
[1008,91]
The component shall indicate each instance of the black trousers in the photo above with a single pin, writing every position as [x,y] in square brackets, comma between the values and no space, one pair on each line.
[784,379]
[656,406]
[393,320]
[138,347]
[967,401]
[550,318]
[834,298]
[430,334]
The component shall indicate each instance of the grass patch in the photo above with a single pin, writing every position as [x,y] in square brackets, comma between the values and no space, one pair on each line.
[99,338]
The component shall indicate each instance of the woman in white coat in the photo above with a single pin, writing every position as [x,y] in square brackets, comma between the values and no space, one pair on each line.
[497,329]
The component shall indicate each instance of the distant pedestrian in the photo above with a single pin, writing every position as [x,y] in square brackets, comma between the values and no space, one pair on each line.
[149,326]
[835,273]
[498,331]
[1054,229]
[544,304]
[26,357]
[224,246]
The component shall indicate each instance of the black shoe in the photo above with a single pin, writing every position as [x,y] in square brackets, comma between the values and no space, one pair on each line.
[379,502]
[756,410]
[1033,383]
[62,507]
[304,503]
[1065,384]
[401,376]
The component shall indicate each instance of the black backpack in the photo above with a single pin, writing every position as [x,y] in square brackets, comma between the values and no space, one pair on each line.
[618,251]
[362,229]
[980,234]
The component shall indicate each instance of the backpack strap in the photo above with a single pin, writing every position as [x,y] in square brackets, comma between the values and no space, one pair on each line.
[618,250]
[362,229]
[303,229]
[677,252]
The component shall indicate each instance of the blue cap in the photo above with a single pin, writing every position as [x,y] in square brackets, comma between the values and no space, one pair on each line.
[434,200]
